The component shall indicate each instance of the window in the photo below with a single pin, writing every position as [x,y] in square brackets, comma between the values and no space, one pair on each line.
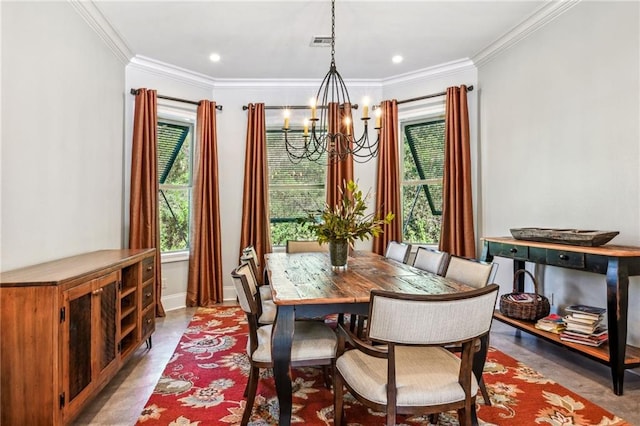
[294,189]
[422,173]
[175,147]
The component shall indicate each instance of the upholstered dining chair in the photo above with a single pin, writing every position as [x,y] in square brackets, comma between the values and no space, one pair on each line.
[403,367]
[314,343]
[303,246]
[431,260]
[265,289]
[472,272]
[398,251]
[265,310]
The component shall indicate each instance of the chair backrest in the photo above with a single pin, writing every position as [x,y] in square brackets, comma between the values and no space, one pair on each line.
[251,251]
[430,319]
[431,260]
[398,251]
[246,288]
[251,261]
[300,246]
[471,272]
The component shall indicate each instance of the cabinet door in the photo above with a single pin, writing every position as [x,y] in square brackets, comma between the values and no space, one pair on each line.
[89,339]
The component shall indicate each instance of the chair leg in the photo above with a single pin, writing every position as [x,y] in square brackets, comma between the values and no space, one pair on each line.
[252,387]
[485,393]
[327,376]
[338,395]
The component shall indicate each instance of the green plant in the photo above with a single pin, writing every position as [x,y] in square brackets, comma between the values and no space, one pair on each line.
[347,220]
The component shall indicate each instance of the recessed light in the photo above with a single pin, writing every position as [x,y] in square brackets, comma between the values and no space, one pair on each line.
[214,57]
[397,59]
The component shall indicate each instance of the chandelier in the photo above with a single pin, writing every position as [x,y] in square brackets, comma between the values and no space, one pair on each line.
[332,136]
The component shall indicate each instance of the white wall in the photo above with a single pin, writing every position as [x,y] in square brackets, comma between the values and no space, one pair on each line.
[62,115]
[560,139]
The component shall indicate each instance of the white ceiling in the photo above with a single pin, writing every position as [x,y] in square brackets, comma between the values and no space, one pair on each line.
[271,39]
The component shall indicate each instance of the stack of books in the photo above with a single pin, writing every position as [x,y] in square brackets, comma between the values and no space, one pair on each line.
[553,323]
[584,325]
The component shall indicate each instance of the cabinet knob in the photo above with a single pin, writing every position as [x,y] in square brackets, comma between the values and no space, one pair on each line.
[149,321]
[149,268]
[563,257]
[97,291]
[513,250]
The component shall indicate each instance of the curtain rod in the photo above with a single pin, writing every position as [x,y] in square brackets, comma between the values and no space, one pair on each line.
[435,95]
[355,106]
[246,107]
[170,98]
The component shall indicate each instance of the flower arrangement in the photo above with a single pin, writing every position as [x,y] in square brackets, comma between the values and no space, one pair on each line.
[347,220]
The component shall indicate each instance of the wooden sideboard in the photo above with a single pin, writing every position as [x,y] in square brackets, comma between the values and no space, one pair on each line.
[67,328]
[617,263]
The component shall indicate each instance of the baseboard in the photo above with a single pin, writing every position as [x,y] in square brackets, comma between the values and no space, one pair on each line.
[174,301]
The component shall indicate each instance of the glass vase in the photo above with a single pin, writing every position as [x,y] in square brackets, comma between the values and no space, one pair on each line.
[338,252]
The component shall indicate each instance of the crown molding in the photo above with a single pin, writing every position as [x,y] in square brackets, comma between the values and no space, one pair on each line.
[541,17]
[292,82]
[96,20]
[173,72]
[440,70]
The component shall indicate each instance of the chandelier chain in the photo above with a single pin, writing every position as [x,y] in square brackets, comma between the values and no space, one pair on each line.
[330,139]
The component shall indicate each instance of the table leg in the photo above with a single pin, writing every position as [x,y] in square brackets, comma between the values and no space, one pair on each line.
[281,355]
[617,309]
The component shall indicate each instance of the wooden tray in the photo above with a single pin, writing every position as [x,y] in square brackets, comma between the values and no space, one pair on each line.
[575,237]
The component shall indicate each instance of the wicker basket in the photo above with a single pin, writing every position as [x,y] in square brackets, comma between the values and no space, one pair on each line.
[529,311]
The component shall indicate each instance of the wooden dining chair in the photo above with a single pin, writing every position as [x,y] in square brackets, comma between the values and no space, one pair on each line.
[472,272]
[303,246]
[265,289]
[314,343]
[403,366]
[266,309]
[431,260]
[398,251]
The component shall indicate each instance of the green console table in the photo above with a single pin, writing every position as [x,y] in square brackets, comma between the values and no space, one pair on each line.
[616,263]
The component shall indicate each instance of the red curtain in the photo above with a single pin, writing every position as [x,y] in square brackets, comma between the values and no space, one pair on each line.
[457,235]
[144,220]
[388,180]
[204,286]
[342,170]
[255,202]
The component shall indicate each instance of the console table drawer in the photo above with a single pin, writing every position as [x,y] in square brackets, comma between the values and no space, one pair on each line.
[567,259]
[147,268]
[510,250]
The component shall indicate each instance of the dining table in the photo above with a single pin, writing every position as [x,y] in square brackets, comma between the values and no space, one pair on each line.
[304,285]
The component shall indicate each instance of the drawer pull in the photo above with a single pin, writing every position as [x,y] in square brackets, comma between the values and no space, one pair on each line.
[513,250]
[563,257]
[149,321]
[149,268]
[98,291]
[147,294]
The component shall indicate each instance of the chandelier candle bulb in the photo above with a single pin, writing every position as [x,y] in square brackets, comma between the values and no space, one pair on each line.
[347,125]
[287,113]
[365,112]
[378,118]
[313,108]
[305,125]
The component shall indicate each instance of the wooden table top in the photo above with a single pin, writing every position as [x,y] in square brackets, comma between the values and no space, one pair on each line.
[307,278]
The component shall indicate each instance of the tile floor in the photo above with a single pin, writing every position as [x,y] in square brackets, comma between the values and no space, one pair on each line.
[124,397]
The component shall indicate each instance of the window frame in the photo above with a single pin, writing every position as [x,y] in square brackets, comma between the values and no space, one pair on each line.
[422,115]
[319,186]
[180,117]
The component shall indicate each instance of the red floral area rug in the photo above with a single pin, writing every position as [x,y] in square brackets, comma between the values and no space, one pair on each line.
[204,381]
